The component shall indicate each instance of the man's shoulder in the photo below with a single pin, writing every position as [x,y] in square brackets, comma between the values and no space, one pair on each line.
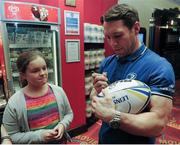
[155,58]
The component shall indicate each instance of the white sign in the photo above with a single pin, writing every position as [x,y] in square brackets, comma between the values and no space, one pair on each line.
[72,50]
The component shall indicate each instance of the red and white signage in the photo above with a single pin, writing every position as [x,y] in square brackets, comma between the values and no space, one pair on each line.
[30,12]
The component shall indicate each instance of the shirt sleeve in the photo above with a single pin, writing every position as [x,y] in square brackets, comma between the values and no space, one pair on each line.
[162,81]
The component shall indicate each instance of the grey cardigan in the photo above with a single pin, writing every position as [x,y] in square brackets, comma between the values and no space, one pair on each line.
[15,117]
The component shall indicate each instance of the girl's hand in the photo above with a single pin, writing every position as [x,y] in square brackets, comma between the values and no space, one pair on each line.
[60,131]
[49,135]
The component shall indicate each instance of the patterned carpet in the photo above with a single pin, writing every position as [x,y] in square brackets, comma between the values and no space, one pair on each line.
[171,134]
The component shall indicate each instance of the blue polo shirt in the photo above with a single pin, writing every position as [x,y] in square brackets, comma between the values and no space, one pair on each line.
[143,65]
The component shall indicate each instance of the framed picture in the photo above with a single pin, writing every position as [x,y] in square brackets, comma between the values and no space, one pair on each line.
[72,50]
[70,3]
[71,22]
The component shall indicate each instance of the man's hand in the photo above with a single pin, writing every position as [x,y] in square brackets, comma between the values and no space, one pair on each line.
[100,81]
[103,108]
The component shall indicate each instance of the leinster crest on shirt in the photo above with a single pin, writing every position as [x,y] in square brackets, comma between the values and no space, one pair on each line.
[131,76]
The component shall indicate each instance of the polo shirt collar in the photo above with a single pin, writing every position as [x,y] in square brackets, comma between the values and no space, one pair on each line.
[139,52]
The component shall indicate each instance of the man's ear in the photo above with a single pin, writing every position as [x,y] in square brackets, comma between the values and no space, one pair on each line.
[136,27]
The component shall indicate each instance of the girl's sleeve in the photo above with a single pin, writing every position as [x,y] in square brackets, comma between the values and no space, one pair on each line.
[67,111]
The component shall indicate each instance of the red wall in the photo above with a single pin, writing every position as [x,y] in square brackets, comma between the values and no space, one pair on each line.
[54,3]
[72,73]
[93,10]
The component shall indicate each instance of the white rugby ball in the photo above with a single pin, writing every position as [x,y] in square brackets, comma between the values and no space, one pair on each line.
[129,96]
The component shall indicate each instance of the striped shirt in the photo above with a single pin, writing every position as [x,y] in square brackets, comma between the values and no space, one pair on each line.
[42,112]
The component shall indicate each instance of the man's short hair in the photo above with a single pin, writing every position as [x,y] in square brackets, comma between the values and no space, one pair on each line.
[124,12]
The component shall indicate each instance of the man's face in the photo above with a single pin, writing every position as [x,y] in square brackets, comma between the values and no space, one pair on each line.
[120,38]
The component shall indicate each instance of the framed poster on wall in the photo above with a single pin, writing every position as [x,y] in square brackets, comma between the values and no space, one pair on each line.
[72,50]
[71,22]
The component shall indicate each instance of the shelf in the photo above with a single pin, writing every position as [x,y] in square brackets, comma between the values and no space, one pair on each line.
[28,45]
[1,96]
[91,70]
[15,74]
[3,103]
[88,46]
[91,53]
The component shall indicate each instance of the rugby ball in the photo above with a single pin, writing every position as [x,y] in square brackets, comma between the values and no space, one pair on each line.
[129,96]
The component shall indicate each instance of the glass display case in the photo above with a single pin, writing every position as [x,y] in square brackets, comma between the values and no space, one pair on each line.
[27,26]
[23,37]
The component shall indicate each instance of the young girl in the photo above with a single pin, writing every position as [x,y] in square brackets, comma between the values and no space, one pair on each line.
[39,112]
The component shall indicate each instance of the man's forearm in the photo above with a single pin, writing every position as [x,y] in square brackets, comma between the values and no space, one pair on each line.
[144,124]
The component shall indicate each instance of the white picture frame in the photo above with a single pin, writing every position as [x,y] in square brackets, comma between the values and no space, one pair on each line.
[72,50]
[71,22]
